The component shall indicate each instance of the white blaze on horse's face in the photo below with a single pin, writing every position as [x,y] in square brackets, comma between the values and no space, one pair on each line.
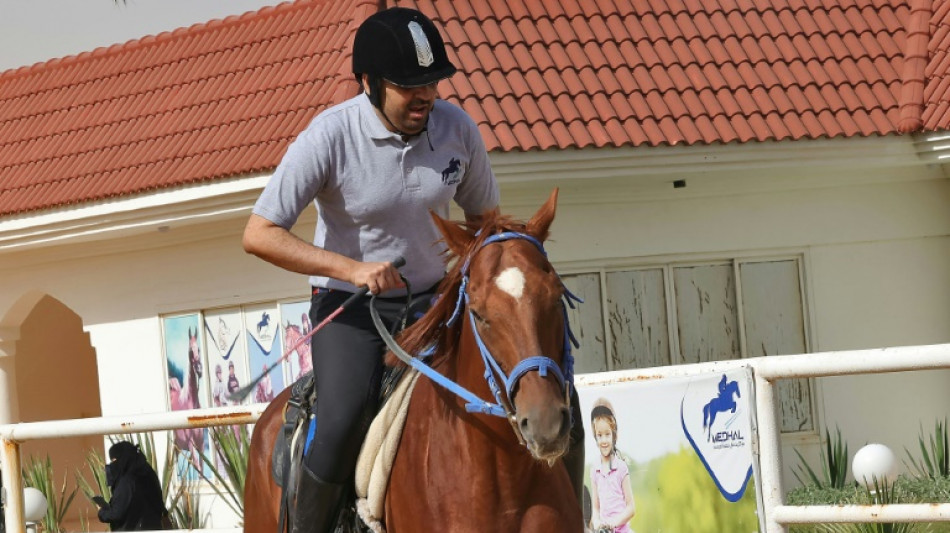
[511,280]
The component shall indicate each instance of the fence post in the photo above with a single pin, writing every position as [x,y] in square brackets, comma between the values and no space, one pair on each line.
[12,486]
[770,451]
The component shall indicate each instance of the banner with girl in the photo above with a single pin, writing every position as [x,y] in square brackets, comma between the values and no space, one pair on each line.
[670,455]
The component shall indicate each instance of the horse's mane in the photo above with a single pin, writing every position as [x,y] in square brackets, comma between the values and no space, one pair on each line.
[431,330]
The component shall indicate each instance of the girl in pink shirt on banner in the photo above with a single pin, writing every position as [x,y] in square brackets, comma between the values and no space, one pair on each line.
[611,495]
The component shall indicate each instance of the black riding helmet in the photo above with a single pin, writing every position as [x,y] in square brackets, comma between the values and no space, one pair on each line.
[401,46]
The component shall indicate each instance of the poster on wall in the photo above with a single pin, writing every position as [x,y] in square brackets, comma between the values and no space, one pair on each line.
[186,366]
[227,354]
[295,322]
[262,330]
[671,455]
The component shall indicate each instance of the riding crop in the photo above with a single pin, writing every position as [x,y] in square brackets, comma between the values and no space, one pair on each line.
[242,393]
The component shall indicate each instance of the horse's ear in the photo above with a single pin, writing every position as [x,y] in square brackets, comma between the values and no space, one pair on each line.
[540,223]
[456,237]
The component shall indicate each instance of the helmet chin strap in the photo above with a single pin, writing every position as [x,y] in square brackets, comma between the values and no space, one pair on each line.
[374,90]
[405,136]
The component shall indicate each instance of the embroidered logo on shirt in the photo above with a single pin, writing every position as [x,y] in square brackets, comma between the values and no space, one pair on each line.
[451,175]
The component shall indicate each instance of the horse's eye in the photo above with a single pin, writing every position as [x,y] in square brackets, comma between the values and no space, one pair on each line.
[479,319]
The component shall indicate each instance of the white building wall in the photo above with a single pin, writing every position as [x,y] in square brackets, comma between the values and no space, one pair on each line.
[876,262]
[876,244]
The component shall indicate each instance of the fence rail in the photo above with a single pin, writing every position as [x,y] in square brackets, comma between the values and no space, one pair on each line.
[766,371]
[12,435]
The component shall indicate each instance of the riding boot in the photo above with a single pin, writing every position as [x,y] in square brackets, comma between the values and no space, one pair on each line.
[317,505]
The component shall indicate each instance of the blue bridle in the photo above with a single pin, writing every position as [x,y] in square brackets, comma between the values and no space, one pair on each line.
[539,363]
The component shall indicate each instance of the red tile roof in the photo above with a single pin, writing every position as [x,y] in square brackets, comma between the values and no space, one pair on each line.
[224,98]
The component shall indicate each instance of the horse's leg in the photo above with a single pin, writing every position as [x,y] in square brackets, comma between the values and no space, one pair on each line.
[261,494]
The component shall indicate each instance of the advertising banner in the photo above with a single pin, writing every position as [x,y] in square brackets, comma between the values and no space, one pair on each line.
[671,455]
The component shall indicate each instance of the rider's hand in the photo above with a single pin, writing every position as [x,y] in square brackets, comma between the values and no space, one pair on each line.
[379,277]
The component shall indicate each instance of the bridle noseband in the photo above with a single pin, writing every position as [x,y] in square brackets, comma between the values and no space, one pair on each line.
[504,404]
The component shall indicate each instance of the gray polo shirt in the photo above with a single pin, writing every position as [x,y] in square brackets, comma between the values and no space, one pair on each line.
[373,191]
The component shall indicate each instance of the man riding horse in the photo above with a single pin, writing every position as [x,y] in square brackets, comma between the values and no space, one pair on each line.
[372,165]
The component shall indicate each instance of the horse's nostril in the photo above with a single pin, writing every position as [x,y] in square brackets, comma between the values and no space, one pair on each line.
[523,423]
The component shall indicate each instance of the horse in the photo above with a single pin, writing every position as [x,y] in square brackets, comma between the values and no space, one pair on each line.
[292,334]
[459,468]
[725,401]
[185,397]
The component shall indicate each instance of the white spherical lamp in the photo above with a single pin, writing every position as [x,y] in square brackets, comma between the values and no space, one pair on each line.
[34,505]
[874,461]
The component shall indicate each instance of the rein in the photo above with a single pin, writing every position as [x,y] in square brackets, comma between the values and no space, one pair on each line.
[539,363]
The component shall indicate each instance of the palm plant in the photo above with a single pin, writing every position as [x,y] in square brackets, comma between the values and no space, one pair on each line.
[228,465]
[184,506]
[834,464]
[39,475]
[935,459]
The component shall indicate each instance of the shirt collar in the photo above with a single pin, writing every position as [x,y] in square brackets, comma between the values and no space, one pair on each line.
[610,466]
[370,121]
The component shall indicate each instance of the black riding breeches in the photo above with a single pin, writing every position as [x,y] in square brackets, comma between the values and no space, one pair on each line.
[347,369]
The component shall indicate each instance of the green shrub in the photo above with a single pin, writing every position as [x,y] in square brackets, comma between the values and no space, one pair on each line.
[834,464]
[934,462]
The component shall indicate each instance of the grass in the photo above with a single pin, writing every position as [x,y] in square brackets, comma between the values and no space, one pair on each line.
[904,490]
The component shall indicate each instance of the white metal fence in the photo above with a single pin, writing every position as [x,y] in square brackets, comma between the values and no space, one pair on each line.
[766,371]
[12,435]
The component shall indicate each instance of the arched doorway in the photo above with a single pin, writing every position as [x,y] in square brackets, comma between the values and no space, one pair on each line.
[51,374]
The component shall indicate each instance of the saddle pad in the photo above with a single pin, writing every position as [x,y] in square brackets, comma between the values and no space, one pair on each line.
[379,451]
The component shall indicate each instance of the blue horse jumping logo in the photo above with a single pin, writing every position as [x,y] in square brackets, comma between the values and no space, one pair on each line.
[265,320]
[728,392]
[450,174]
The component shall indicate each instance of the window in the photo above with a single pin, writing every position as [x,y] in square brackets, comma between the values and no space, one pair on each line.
[679,313]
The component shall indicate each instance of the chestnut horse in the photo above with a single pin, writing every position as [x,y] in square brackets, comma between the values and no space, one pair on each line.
[459,468]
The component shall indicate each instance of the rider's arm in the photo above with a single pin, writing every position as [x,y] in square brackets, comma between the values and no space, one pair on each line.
[275,244]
